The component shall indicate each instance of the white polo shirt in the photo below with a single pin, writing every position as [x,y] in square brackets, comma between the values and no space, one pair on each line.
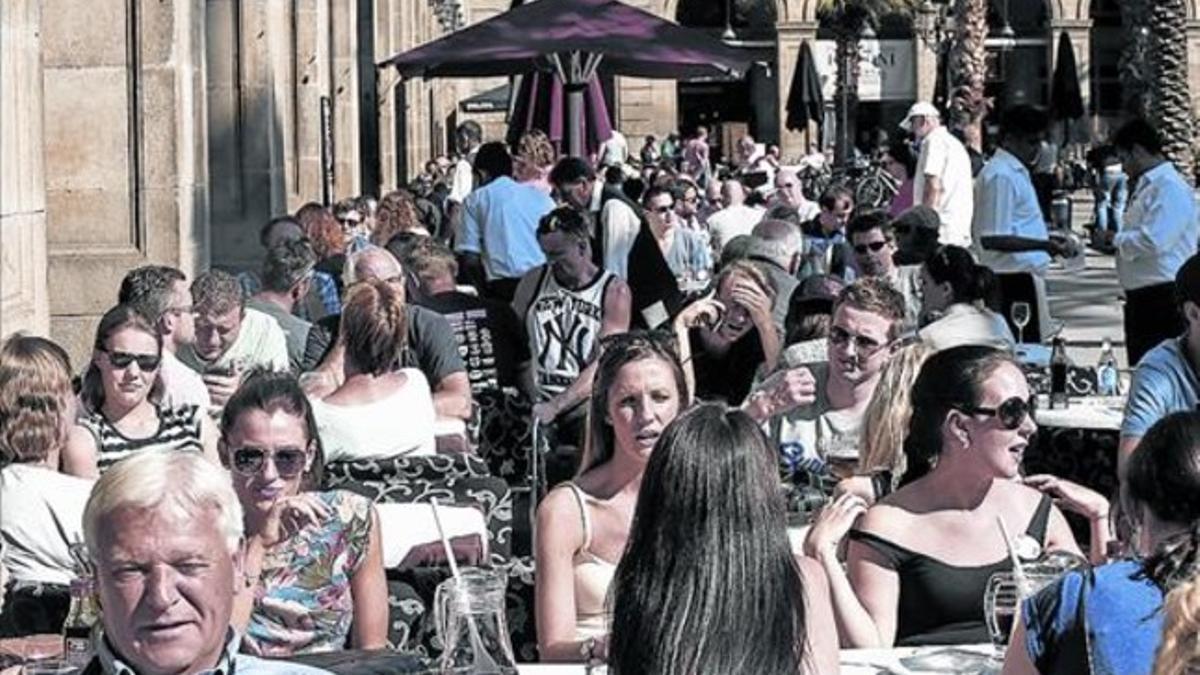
[1159,232]
[1007,205]
[943,156]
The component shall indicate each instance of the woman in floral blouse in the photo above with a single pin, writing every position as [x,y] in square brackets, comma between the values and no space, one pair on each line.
[313,567]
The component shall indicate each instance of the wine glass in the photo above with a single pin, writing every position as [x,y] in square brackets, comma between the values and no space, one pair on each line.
[1001,603]
[1020,316]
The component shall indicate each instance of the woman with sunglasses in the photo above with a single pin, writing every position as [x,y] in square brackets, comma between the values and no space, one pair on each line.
[582,525]
[919,561]
[956,294]
[1110,618]
[121,390]
[313,563]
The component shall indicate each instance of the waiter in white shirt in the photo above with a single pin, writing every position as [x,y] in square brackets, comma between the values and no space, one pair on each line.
[1008,228]
[1159,234]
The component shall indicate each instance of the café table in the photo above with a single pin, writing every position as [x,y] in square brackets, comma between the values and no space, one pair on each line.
[965,659]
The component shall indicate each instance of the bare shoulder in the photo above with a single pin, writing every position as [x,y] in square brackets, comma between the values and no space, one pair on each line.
[559,520]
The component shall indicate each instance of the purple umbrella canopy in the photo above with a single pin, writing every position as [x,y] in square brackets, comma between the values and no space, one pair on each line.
[540,102]
[615,37]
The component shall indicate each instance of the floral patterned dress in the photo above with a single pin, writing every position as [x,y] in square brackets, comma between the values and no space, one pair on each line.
[303,602]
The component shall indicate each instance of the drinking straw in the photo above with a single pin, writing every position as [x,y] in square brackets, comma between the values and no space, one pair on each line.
[485,660]
[1018,569]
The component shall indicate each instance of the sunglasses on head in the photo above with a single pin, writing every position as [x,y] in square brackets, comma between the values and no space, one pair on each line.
[1011,412]
[874,247]
[289,462]
[124,359]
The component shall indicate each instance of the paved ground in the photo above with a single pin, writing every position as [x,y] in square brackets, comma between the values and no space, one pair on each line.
[1089,302]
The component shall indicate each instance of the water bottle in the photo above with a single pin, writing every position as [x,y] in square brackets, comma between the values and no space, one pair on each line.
[1108,378]
[1058,374]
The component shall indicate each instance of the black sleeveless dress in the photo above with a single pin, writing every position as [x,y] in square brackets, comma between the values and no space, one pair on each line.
[940,603]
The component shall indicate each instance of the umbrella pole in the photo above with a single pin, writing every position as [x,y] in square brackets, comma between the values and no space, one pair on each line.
[574,92]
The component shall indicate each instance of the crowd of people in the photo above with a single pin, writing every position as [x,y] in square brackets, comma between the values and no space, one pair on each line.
[687,335]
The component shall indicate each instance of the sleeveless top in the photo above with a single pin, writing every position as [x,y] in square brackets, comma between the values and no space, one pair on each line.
[942,603]
[563,326]
[178,429]
[593,576]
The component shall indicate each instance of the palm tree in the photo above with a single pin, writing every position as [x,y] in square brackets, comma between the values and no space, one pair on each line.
[1169,101]
[968,67]
[847,19]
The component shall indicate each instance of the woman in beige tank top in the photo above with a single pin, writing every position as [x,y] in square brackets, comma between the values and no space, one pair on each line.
[582,525]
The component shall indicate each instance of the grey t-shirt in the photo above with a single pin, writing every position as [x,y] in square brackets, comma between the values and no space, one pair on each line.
[295,329]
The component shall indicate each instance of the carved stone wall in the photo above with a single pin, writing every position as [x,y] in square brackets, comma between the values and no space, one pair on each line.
[125,150]
[23,298]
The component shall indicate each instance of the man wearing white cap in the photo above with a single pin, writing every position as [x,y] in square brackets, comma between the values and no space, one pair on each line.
[943,181]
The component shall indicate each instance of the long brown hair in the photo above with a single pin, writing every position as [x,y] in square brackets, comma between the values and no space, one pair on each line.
[117,319]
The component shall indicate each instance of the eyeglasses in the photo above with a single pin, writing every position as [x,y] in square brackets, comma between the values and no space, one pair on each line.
[146,362]
[663,210]
[840,336]
[289,462]
[874,247]
[1011,412]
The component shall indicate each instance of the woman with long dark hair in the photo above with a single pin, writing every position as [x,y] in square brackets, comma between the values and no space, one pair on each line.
[583,525]
[1109,619]
[708,582]
[920,559]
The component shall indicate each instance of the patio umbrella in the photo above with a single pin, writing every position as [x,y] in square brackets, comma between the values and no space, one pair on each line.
[539,102]
[805,101]
[573,39]
[1066,101]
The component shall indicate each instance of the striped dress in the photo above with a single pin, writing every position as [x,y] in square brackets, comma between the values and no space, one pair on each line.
[178,429]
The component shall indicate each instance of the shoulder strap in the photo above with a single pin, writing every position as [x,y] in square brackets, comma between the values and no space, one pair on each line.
[583,514]
[1037,524]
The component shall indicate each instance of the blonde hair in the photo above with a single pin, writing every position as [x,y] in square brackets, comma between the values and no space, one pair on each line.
[35,399]
[182,483]
[885,421]
[1179,650]
[397,213]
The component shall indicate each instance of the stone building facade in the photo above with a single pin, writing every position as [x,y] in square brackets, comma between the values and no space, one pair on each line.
[139,131]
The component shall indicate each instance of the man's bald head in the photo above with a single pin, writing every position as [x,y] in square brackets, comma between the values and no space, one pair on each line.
[732,193]
[778,241]
[370,263]
[788,188]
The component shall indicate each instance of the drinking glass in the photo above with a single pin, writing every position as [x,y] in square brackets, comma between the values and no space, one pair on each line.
[1001,604]
[1020,316]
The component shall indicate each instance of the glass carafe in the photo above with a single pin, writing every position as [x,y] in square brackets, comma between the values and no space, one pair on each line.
[469,612]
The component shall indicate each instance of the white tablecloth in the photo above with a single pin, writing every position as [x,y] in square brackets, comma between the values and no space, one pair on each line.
[1091,412]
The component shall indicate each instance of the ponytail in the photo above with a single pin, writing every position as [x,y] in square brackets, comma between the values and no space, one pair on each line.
[1176,560]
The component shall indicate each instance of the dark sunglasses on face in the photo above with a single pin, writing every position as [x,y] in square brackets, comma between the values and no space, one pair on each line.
[124,359]
[1011,412]
[663,209]
[289,462]
[874,247]
[865,345]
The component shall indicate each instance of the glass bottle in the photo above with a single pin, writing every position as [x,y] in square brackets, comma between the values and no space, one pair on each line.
[1058,374]
[77,629]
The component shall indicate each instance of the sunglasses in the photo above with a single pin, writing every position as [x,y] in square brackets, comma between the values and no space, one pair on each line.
[663,210]
[874,247]
[146,362]
[289,462]
[865,345]
[1011,412]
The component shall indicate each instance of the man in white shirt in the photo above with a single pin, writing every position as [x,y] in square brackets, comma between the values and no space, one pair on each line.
[467,137]
[1159,235]
[733,220]
[230,339]
[161,294]
[499,232]
[943,180]
[615,150]
[1008,227]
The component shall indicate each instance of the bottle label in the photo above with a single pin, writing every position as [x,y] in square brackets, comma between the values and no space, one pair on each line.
[77,647]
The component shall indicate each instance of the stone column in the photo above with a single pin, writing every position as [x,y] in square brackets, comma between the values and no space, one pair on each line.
[126,150]
[925,58]
[23,299]
[1193,41]
[793,144]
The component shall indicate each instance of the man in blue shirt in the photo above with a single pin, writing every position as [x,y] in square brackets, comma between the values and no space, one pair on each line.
[1165,380]
[498,243]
